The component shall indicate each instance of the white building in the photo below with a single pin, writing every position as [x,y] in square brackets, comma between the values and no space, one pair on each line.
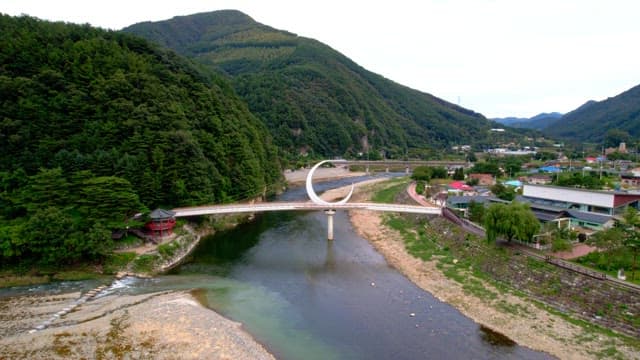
[593,201]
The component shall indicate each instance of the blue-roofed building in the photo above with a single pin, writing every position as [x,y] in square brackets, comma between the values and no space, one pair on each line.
[550,169]
[514,183]
[462,203]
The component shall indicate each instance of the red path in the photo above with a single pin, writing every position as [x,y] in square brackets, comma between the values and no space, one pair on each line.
[577,251]
[418,198]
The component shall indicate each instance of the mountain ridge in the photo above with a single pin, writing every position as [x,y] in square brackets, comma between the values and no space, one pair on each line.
[313,98]
[537,122]
[591,121]
[83,98]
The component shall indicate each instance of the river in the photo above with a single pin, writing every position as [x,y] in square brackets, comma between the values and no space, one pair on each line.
[304,297]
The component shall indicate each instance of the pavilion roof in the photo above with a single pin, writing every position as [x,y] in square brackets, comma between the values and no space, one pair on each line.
[161,214]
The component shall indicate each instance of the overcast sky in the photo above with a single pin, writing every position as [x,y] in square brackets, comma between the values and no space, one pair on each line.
[497,57]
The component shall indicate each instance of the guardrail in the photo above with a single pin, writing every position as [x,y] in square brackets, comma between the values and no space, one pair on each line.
[576,268]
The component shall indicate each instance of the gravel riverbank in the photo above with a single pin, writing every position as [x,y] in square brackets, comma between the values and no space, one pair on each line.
[150,326]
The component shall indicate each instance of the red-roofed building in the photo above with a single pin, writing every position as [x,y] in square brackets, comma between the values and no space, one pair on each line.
[459,186]
[483,179]
[162,223]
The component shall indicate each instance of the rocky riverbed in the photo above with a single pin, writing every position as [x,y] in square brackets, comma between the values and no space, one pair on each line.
[150,326]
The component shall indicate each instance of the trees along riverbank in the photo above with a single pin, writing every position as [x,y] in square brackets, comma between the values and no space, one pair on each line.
[495,286]
[134,257]
[128,255]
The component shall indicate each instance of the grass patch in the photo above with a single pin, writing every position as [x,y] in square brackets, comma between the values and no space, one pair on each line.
[62,347]
[425,245]
[10,279]
[389,192]
[75,275]
[117,261]
[610,353]
[609,262]
[515,309]
[126,242]
[145,263]
[167,250]
[590,330]
[36,275]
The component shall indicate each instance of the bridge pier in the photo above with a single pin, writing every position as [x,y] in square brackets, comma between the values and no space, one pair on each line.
[330,214]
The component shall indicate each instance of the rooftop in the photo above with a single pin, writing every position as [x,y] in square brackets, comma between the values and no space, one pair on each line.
[161,214]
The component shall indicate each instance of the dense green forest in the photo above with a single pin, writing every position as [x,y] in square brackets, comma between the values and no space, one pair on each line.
[592,121]
[98,125]
[312,98]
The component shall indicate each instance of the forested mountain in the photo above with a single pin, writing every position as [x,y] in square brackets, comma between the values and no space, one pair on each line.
[311,97]
[537,122]
[97,125]
[591,121]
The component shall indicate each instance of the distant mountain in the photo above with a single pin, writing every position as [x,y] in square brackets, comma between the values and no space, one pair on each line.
[537,122]
[591,121]
[312,98]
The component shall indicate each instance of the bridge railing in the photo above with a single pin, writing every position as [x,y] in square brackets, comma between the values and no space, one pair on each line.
[301,206]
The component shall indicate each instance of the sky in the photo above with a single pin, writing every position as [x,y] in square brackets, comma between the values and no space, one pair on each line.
[497,57]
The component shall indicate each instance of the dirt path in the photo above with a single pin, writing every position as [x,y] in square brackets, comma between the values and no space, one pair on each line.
[411,190]
[577,250]
[527,325]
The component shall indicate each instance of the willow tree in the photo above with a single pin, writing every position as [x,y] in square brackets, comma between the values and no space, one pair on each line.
[631,228]
[512,221]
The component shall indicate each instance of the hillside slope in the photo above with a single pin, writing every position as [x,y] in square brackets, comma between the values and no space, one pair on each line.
[81,98]
[591,121]
[312,98]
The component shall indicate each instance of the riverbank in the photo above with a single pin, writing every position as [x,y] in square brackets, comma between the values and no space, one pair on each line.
[157,325]
[298,177]
[148,259]
[154,326]
[529,325]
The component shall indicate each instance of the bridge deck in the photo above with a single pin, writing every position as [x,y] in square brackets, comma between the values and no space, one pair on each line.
[301,206]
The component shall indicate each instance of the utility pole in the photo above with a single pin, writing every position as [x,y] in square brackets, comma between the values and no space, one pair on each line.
[601,161]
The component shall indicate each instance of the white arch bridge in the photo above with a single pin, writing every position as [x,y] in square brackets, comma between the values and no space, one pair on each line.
[304,206]
[301,206]
[316,204]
